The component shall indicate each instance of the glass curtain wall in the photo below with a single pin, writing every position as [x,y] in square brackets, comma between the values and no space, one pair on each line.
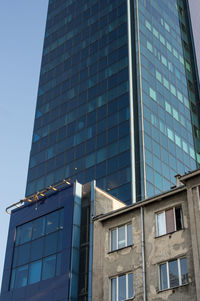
[168,99]
[81,128]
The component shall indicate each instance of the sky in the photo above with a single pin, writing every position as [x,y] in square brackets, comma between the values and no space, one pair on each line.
[22,25]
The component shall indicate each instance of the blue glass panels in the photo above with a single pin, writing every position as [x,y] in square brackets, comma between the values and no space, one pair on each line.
[166,108]
[81,126]
[36,253]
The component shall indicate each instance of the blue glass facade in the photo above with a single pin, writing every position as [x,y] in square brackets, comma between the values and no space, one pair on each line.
[47,255]
[39,249]
[168,98]
[81,126]
[87,123]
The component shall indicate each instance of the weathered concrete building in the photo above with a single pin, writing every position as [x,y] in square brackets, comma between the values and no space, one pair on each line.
[74,242]
[150,250]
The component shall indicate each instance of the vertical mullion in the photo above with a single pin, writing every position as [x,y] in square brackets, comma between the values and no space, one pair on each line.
[117,294]
[117,243]
[168,283]
[179,271]
[126,286]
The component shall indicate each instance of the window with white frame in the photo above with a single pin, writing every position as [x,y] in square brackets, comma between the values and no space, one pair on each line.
[169,221]
[173,273]
[122,287]
[121,237]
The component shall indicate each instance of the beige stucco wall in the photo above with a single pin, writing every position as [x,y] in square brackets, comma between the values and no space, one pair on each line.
[167,247]
[183,243]
[108,264]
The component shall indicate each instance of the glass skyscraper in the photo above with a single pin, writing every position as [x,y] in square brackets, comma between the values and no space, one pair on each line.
[118,97]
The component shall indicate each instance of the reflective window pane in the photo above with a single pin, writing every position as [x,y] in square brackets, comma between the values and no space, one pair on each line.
[26,233]
[163,277]
[15,256]
[161,225]
[113,239]
[38,227]
[50,244]
[121,237]
[21,276]
[33,248]
[173,273]
[52,222]
[49,266]
[184,271]
[60,239]
[23,254]
[122,288]
[114,289]
[12,282]
[129,235]
[130,286]
[58,264]
[18,231]
[35,271]
[37,247]
[61,218]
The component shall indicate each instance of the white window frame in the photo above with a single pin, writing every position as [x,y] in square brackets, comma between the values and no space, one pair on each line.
[167,269]
[117,237]
[174,214]
[117,286]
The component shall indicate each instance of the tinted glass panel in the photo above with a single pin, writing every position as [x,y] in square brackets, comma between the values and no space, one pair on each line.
[121,237]
[37,247]
[129,234]
[173,273]
[61,218]
[113,239]
[26,233]
[23,254]
[60,239]
[58,264]
[35,272]
[38,227]
[184,271]
[49,265]
[18,235]
[114,289]
[12,282]
[21,276]
[122,288]
[163,277]
[15,257]
[52,222]
[50,244]
[130,286]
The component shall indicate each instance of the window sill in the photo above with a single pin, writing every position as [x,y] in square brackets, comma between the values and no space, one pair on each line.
[168,234]
[172,288]
[130,246]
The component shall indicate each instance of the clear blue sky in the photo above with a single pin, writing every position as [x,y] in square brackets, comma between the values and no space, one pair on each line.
[22,24]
